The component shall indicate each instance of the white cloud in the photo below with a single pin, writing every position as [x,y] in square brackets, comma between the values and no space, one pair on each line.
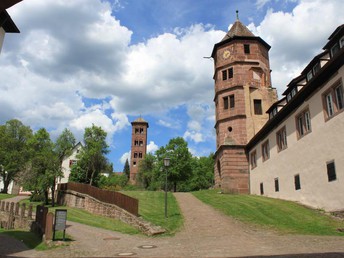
[124,157]
[193,135]
[152,147]
[298,36]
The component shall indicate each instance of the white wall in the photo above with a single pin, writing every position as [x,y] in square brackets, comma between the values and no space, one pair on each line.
[65,164]
[307,156]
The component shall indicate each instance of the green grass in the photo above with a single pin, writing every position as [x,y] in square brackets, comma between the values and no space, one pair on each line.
[33,241]
[280,215]
[6,196]
[152,208]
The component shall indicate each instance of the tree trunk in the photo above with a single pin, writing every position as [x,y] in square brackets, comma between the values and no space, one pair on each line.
[53,196]
[46,197]
[6,184]
[175,187]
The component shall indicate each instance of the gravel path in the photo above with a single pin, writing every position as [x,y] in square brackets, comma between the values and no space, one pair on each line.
[206,233]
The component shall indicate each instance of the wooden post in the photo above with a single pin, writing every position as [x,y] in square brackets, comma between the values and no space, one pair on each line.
[22,211]
[49,226]
[16,209]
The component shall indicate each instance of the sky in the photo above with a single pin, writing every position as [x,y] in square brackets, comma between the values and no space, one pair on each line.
[108,62]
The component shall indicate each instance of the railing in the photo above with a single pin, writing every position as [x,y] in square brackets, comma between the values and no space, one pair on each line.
[121,200]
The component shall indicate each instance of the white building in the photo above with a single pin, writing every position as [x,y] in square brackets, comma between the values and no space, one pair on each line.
[299,154]
[68,162]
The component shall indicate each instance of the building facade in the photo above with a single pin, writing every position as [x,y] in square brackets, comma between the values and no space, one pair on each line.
[68,162]
[138,146]
[243,94]
[298,154]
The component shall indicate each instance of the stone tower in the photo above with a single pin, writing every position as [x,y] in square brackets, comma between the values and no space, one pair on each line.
[243,94]
[138,146]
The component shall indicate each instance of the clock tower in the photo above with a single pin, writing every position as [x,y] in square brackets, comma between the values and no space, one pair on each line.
[243,94]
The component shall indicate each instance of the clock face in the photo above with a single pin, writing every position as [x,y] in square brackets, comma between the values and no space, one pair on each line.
[226,54]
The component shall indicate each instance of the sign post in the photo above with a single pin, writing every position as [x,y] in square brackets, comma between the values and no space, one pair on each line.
[60,222]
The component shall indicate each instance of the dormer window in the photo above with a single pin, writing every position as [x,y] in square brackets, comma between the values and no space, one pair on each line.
[293,92]
[341,42]
[309,75]
[316,68]
[334,49]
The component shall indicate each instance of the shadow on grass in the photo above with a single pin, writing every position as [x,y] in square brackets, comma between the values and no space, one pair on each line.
[12,242]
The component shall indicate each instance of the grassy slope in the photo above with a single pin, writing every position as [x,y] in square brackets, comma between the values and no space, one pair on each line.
[152,208]
[6,196]
[285,216]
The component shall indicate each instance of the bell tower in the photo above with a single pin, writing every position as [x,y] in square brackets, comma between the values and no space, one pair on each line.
[138,146]
[243,94]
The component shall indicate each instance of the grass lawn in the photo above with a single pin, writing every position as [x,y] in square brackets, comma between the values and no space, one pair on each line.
[152,208]
[284,216]
[6,196]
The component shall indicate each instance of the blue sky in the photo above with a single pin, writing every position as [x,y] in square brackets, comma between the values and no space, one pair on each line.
[108,62]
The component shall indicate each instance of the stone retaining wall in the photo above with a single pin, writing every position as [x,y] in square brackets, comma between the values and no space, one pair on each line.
[74,199]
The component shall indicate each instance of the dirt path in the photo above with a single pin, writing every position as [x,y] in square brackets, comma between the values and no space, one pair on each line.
[206,233]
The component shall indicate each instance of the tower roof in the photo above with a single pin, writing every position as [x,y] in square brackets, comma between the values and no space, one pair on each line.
[238,29]
[139,120]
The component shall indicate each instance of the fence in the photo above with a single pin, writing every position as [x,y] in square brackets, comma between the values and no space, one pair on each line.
[13,215]
[123,201]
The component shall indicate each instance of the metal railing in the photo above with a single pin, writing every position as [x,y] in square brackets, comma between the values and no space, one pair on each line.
[121,200]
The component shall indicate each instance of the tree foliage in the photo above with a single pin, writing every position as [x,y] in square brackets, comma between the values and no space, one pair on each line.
[14,152]
[185,173]
[91,159]
[126,169]
[43,167]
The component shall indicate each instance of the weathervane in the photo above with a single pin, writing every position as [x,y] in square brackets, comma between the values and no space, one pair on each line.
[237,14]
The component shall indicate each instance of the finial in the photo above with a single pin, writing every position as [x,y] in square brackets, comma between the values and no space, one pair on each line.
[237,14]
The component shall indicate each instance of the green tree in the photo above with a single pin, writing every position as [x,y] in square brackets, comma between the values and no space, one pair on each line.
[91,159]
[44,165]
[63,147]
[147,173]
[126,169]
[180,161]
[14,151]
[202,174]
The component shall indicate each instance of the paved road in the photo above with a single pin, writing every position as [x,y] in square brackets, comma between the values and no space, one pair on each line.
[206,233]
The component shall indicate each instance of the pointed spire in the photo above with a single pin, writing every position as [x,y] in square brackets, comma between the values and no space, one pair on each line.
[238,29]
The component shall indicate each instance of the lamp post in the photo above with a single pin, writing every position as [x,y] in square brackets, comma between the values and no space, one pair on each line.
[166,165]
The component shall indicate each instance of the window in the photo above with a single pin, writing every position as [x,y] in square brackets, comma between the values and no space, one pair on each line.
[339,97]
[333,101]
[136,143]
[266,150]
[281,138]
[331,171]
[257,103]
[253,159]
[72,162]
[225,102]
[341,42]
[297,182]
[228,101]
[141,130]
[134,163]
[334,49]
[246,48]
[224,75]
[309,75]
[137,130]
[261,189]
[329,105]
[276,185]
[316,68]
[230,73]
[303,122]
[227,74]
[140,155]
[141,143]
[231,101]
[135,155]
